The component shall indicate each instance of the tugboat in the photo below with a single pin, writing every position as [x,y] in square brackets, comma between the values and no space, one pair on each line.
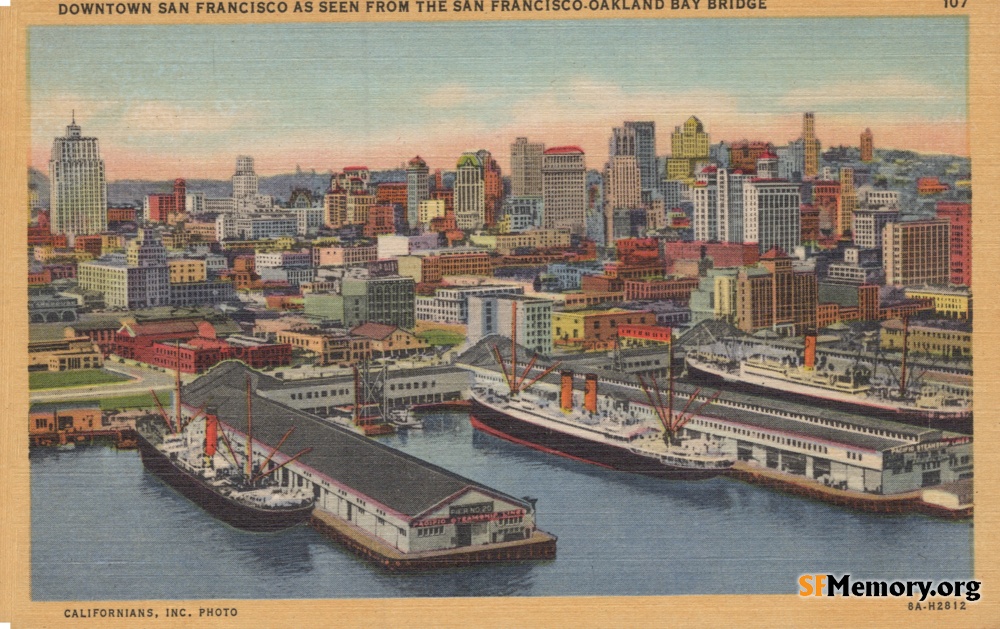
[404,419]
[233,487]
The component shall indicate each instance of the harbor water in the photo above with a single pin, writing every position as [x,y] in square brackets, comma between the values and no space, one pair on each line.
[105,529]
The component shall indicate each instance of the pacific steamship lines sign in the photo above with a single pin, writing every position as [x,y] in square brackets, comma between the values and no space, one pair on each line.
[480,516]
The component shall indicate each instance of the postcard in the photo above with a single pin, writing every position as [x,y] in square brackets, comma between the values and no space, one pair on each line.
[498,312]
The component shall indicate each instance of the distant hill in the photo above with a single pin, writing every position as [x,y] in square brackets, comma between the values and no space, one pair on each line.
[133,191]
[40,181]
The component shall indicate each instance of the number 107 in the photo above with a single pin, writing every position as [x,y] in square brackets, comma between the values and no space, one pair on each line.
[955,4]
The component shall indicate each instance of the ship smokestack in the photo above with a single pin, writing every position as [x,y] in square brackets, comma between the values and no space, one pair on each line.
[211,435]
[810,357]
[566,391]
[590,393]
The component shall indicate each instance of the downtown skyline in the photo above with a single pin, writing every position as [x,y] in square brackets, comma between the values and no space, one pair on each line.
[184,100]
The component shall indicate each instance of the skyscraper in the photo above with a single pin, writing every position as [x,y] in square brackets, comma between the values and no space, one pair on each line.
[771,214]
[811,144]
[492,187]
[564,188]
[245,179]
[526,168]
[645,153]
[867,146]
[688,146]
[417,189]
[718,205]
[470,199]
[848,202]
[622,189]
[917,252]
[959,216]
[79,192]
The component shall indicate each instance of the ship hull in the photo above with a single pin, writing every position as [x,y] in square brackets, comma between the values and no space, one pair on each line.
[516,430]
[960,422]
[233,513]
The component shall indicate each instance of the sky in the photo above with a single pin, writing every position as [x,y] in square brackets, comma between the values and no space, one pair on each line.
[184,101]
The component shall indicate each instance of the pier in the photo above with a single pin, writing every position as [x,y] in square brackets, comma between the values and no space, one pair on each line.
[539,546]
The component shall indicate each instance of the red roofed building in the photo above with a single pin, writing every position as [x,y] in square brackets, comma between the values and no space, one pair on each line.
[960,217]
[121,215]
[391,193]
[723,255]
[775,296]
[162,206]
[199,354]
[390,340]
[381,220]
[744,154]
[930,185]
[134,339]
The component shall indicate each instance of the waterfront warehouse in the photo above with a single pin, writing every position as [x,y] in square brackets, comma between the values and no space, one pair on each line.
[389,506]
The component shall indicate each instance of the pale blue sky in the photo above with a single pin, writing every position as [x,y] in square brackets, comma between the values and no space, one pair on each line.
[184,100]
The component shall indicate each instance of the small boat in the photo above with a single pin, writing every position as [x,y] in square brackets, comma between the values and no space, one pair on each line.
[405,419]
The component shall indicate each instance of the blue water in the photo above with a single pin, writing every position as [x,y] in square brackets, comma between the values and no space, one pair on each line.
[104,528]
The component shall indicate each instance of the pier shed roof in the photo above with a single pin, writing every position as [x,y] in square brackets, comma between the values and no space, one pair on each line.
[388,476]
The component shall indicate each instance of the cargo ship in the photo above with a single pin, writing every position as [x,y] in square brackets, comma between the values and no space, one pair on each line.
[852,388]
[598,433]
[232,486]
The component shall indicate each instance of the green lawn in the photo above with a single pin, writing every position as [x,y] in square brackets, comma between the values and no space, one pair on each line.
[441,337]
[76,378]
[139,400]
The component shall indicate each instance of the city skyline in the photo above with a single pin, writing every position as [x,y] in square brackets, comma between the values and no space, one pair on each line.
[184,100]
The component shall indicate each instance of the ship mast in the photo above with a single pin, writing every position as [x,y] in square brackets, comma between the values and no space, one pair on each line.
[902,369]
[513,346]
[516,383]
[177,385]
[249,432]
[670,378]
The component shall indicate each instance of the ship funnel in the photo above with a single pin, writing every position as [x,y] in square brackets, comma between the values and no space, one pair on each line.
[810,353]
[566,391]
[590,393]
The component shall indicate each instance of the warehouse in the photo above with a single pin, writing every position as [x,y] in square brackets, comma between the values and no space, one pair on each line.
[383,496]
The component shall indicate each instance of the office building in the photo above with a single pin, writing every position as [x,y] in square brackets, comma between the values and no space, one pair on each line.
[470,193]
[417,190]
[78,194]
[564,188]
[917,252]
[526,168]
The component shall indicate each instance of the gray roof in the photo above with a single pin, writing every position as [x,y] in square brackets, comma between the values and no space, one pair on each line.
[395,479]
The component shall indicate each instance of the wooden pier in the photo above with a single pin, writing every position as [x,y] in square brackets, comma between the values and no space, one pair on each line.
[540,546]
[895,504]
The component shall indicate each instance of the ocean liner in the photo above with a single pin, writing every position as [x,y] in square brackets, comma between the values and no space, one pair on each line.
[232,486]
[851,387]
[600,432]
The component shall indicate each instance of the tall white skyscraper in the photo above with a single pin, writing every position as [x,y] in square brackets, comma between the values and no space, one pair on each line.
[771,214]
[245,179]
[564,188]
[417,189]
[79,191]
[470,196]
